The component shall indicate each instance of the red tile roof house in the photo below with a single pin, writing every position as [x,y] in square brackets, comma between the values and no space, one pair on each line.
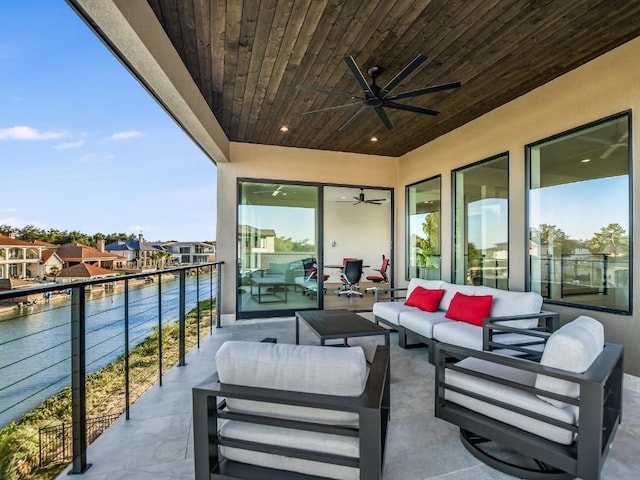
[76,253]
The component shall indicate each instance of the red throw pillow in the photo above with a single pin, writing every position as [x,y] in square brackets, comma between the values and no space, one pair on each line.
[424,299]
[469,308]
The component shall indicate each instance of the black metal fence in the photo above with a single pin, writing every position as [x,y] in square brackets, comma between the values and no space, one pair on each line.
[55,441]
[57,338]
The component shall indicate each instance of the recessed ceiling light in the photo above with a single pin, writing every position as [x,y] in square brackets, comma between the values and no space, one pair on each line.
[585,160]
[284,129]
[374,139]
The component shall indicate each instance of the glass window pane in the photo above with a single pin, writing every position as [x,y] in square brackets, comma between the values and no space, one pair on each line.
[579,216]
[482,224]
[423,230]
[277,240]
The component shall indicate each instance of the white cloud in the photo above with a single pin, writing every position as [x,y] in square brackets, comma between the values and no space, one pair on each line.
[124,135]
[69,145]
[96,157]
[27,133]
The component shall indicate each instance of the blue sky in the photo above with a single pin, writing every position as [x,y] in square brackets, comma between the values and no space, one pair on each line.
[82,145]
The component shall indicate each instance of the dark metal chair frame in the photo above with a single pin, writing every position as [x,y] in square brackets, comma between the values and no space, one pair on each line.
[600,404]
[372,407]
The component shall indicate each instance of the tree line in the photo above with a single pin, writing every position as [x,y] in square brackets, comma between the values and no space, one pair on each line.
[60,237]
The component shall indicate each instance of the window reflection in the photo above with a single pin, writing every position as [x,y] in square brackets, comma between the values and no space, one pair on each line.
[423,224]
[579,216]
[482,223]
[277,237]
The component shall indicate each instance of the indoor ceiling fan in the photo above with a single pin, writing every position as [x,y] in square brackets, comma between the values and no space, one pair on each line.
[274,192]
[378,98]
[361,199]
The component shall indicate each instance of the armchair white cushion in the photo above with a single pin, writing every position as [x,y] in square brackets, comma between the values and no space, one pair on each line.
[573,347]
[298,368]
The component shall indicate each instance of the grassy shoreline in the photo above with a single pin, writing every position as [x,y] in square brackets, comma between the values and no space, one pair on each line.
[19,443]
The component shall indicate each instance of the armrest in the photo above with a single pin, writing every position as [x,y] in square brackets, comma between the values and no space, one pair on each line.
[609,361]
[391,292]
[493,327]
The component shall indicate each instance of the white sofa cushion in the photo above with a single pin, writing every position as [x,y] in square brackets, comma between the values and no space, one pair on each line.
[422,322]
[390,311]
[511,396]
[507,303]
[313,441]
[450,292]
[427,284]
[299,368]
[573,347]
[462,334]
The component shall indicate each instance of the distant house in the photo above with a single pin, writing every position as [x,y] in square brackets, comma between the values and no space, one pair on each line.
[83,271]
[138,253]
[76,253]
[189,252]
[18,258]
[51,264]
[256,240]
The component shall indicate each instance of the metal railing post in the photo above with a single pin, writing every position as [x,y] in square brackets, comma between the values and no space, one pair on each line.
[126,349]
[160,331]
[198,303]
[218,294]
[181,325]
[78,381]
[211,299]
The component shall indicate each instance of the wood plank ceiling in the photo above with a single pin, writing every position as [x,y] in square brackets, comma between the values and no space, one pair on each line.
[248,58]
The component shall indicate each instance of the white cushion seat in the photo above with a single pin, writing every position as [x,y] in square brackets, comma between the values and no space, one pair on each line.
[416,321]
[390,311]
[511,396]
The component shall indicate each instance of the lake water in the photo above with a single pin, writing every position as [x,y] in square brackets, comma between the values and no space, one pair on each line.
[35,348]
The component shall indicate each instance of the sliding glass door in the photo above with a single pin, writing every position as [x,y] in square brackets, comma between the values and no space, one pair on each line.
[277,233]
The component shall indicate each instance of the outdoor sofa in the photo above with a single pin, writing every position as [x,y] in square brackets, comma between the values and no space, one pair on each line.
[303,412]
[508,314]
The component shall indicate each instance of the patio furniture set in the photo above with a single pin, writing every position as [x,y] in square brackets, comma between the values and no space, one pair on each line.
[545,400]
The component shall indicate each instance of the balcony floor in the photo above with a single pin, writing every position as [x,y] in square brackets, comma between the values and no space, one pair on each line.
[156,443]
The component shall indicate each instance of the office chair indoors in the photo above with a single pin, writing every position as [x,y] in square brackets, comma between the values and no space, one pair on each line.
[352,273]
[378,279]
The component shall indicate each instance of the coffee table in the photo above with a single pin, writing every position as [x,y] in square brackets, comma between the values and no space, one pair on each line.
[331,324]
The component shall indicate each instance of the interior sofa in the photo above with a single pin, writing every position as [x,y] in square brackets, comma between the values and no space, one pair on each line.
[303,412]
[509,313]
[555,418]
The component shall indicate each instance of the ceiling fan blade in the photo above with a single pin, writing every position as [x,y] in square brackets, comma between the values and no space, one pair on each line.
[353,118]
[351,63]
[424,91]
[383,116]
[411,108]
[404,74]
[331,108]
[329,92]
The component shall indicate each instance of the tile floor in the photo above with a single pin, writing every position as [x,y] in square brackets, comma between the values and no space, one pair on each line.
[156,443]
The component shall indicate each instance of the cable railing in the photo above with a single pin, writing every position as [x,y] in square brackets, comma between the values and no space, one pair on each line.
[74,361]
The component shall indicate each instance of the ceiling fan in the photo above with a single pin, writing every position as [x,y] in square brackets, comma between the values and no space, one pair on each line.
[361,199]
[274,193]
[378,98]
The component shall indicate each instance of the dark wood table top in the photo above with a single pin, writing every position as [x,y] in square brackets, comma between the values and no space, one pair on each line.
[339,323]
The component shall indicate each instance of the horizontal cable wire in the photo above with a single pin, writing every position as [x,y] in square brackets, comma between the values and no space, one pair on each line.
[108,339]
[35,354]
[48,329]
[34,393]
